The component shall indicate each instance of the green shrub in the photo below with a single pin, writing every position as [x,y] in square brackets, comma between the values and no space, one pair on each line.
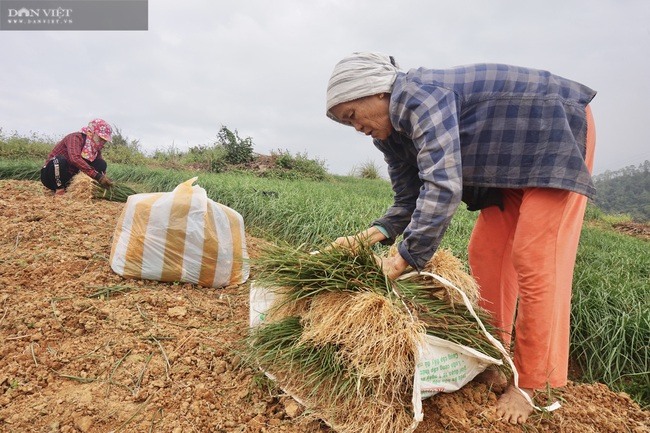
[123,155]
[299,166]
[123,151]
[238,150]
[171,155]
[593,212]
[210,158]
[218,165]
[16,146]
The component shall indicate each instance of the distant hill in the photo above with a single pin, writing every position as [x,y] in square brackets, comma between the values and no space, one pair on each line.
[625,191]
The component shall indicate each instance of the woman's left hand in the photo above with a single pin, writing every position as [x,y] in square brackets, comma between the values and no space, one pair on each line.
[393,266]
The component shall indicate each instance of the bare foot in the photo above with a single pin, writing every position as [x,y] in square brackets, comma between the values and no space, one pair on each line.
[513,407]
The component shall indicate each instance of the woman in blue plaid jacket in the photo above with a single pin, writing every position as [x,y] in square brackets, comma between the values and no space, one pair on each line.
[515,143]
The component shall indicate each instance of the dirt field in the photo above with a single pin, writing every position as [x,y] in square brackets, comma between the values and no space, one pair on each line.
[156,356]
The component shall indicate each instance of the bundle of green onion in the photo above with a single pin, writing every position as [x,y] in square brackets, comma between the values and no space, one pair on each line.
[343,337]
[117,192]
[84,188]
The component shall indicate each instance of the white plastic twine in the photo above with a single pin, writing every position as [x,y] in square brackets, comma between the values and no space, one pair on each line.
[496,343]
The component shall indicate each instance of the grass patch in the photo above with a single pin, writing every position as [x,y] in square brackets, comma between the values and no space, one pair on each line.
[610,312]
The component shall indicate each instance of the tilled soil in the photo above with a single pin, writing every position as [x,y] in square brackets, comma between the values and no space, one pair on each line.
[85,350]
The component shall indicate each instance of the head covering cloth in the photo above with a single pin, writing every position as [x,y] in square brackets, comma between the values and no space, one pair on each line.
[95,130]
[358,75]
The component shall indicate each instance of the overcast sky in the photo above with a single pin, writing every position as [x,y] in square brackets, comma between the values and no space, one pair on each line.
[262,66]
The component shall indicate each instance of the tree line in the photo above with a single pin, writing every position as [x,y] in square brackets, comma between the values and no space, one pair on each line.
[625,191]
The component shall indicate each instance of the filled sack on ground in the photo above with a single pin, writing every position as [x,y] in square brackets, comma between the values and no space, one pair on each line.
[181,236]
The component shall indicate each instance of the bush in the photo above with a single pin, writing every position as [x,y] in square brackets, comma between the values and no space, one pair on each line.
[218,165]
[297,167]
[15,146]
[123,155]
[593,212]
[169,156]
[122,150]
[238,150]
[212,158]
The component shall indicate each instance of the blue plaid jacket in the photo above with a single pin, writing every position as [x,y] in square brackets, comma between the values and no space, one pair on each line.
[483,125]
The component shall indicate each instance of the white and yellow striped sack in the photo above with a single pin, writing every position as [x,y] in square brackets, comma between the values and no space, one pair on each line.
[180,236]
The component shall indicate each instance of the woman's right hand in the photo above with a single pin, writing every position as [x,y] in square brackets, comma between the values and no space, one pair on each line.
[105,182]
[370,236]
[347,242]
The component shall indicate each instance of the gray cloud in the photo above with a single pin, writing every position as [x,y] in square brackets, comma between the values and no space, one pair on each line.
[261,68]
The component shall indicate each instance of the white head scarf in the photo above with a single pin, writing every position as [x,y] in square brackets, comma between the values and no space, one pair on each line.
[360,74]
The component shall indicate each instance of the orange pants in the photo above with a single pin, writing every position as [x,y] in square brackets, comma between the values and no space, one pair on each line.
[523,260]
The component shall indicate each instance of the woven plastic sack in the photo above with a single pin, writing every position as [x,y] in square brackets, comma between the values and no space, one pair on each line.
[180,236]
[443,366]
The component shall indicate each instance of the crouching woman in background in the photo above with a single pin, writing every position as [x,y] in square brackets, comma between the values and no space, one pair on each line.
[78,151]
